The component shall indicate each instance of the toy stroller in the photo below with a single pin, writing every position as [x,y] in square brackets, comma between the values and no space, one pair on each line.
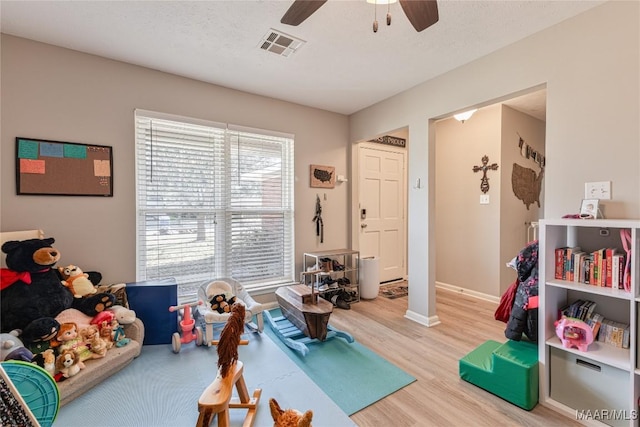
[189,332]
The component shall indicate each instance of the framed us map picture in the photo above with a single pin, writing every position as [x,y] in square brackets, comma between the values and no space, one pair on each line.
[323,176]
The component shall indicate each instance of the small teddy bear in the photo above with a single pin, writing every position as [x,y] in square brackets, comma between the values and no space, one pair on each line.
[97,345]
[68,363]
[106,333]
[219,303]
[77,281]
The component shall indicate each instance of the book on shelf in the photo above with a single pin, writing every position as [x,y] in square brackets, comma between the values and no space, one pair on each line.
[574,308]
[626,337]
[565,259]
[609,253]
[614,333]
[597,267]
[559,263]
[594,322]
[579,309]
[617,271]
[590,309]
[603,267]
[587,266]
[577,266]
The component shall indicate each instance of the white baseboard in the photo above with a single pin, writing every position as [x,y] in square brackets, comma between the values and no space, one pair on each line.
[469,292]
[423,320]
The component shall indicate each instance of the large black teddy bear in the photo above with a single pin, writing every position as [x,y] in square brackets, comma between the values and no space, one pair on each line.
[32,294]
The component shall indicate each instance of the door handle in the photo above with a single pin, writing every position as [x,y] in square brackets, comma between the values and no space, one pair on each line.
[363,225]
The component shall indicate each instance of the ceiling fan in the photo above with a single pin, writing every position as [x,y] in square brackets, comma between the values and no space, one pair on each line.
[421,13]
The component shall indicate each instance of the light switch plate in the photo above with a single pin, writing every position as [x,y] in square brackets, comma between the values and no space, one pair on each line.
[484,199]
[597,190]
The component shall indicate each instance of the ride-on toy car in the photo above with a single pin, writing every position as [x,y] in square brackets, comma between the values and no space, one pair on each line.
[190,332]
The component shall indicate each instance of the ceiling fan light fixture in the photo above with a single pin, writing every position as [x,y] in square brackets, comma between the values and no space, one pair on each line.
[421,13]
[461,117]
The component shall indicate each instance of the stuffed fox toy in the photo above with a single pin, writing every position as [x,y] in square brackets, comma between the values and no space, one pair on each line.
[289,417]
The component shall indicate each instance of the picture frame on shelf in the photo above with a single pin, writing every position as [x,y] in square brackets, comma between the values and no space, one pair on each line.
[589,209]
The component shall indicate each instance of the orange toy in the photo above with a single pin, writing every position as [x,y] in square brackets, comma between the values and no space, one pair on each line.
[289,417]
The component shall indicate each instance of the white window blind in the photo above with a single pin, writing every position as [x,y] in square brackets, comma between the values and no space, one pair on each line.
[213,201]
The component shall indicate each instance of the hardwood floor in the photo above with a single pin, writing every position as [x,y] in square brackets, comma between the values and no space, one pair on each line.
[439,397]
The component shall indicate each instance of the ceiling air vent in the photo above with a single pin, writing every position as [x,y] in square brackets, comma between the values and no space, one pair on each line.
[280,43]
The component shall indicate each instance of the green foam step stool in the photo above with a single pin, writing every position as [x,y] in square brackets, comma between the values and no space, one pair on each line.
[509,370]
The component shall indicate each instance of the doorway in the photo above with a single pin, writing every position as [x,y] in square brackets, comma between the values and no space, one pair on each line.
[483,225]
[379,226]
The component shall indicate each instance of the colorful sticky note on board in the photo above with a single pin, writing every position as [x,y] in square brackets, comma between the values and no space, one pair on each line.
[102,168]
[75,151]
[32,166]
[51,149]
[27,149]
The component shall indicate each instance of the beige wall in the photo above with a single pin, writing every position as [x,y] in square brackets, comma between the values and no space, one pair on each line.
[467,233]
[475,241]
[59,94]
[590,65]
[513,211]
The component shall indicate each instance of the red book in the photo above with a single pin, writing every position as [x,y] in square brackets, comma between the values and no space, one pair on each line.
[602,267]
[559,263]
[609,253]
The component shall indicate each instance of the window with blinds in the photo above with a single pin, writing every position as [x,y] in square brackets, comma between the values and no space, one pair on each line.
[213,201]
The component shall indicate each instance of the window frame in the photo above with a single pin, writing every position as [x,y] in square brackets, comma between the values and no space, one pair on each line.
[222,209]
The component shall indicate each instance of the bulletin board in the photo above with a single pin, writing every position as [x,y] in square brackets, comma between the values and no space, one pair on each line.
[59,168]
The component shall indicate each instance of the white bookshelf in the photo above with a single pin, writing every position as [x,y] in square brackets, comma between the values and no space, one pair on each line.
[602,385]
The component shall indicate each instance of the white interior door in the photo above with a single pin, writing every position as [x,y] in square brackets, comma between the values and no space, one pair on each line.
[382,208]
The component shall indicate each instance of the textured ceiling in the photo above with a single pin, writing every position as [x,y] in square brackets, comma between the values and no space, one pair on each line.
[342,67]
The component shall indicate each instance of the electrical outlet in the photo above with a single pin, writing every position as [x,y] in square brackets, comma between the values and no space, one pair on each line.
[597,190]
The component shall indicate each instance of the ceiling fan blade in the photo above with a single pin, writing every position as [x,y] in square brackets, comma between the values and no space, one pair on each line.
[301,10]
[421,13]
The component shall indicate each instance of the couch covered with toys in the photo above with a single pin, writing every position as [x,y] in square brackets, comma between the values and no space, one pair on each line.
[61,318]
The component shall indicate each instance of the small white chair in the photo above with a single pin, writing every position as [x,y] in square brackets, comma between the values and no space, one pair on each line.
[229,287]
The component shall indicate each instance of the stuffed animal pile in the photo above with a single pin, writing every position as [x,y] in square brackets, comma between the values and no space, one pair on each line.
[34,298]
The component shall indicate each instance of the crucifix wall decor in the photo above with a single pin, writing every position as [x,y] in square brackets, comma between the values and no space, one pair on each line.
[484,182]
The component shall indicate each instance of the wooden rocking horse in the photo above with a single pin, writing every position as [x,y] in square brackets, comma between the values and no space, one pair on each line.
[217,399]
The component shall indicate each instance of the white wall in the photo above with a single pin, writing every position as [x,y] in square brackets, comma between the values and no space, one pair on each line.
[590,65]
[60,94]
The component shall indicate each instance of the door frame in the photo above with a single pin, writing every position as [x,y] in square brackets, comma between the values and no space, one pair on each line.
[355,194]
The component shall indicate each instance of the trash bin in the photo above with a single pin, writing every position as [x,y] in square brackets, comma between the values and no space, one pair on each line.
[369,277]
